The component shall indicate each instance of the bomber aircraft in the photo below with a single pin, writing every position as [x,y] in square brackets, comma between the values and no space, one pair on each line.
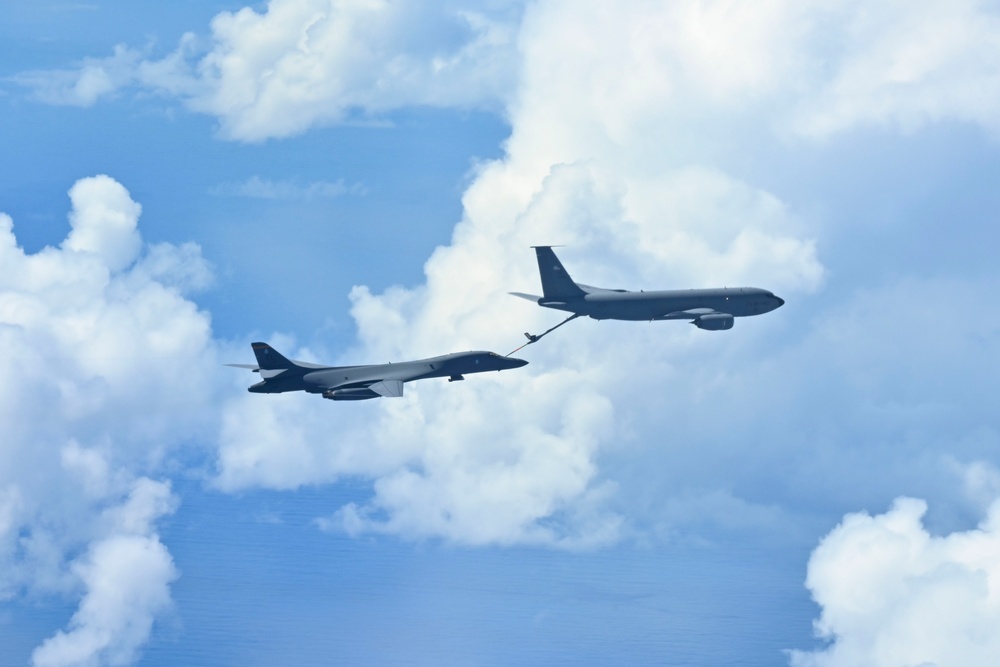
[358,383]
[712,309]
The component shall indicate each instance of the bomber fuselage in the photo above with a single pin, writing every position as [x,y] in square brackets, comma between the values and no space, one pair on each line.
[319,379]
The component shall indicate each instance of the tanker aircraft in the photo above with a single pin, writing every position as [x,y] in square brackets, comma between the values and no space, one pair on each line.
[358,383]
[712,309]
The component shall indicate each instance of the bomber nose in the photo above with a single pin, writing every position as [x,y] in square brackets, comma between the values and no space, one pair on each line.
[781,302]
[516,363]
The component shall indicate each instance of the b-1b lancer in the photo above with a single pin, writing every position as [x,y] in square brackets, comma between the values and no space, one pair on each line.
[358,383]
[712,309]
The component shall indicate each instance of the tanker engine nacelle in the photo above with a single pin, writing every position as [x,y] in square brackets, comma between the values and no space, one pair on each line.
[714,322]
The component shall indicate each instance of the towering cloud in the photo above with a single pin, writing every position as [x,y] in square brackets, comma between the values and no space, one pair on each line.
[894,594]
[108,371]
[126,577]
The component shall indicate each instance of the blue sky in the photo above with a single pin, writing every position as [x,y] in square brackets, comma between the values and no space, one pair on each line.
[360,182]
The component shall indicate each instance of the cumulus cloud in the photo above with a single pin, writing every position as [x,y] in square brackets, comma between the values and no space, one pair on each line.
[126,578]
[110,373]
[894,594]
[104,221]
[307,62]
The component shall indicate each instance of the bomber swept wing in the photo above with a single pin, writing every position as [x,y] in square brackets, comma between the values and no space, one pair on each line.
[387,388]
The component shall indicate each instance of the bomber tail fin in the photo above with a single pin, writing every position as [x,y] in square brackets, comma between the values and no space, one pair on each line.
[556,282]
[270,359]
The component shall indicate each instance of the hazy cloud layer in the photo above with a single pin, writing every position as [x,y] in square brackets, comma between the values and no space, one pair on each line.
[86,84]
[894,594]
[256,187]
[110,371]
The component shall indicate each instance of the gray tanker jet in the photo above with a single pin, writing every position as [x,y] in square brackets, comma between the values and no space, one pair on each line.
[712,309]
[357,383]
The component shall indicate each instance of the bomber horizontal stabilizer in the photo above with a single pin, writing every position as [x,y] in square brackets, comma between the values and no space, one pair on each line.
[249,367]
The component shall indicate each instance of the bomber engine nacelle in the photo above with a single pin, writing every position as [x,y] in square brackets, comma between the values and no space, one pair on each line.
[714,322]
[352,394]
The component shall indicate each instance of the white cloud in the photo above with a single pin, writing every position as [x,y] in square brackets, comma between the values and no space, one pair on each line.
[126,577]
[307,62]
[104,222]
[894,594]
[490,471]
[111,371]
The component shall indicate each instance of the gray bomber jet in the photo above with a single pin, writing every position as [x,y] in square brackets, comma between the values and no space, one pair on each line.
[712,309]
[358,383]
